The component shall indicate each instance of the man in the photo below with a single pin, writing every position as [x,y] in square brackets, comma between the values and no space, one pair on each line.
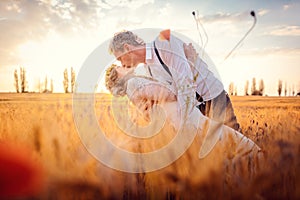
[166,61]
[214,101]
[130,50]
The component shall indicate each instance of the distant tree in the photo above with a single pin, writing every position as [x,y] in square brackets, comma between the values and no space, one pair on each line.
[16,81]
[279,87]
[46,90]
[72,80]
[51,86]
[235,91]
[253,88]
[246,88]
[293,93]
[23,79]
[261,86]
[260,91]
[298,90]
[285,89]
[231,88]
[40,87]
[66,81]
[46,84]
[20,81]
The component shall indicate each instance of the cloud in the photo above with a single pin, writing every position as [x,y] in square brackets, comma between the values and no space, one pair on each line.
[22,21]
[262,12]
[227,17]
[274,51]
[128,22]
[285,31]
[286,7]
[129,17]
[133,4]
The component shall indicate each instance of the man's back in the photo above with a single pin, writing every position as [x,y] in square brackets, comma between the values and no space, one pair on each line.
[208,86]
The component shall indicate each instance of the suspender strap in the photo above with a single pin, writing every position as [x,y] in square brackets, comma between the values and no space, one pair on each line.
[199,98]
[149,71]
[160,60]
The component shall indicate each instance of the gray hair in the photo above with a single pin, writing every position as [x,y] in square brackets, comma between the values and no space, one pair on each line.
[124,37]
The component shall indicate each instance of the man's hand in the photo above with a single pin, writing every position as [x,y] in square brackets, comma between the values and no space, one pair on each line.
[145,106]
[190,52]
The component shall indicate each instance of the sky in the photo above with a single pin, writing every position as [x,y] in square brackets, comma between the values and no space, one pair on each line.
[48,36]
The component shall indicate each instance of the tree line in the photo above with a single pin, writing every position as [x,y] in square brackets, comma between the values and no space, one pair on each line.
[259,91]
[21,83]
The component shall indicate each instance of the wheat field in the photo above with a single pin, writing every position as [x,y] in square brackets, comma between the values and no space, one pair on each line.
[43,127]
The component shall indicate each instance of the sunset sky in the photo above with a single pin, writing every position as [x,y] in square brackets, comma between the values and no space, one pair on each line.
[47,36]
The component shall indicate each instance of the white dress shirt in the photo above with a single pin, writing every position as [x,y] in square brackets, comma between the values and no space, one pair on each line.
[172,53]
[208,86]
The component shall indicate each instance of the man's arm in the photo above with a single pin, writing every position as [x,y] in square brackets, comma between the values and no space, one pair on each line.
[190,53]
[155,93]
[146,96]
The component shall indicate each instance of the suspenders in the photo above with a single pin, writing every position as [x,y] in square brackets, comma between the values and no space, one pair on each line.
[201,107]
[161,62]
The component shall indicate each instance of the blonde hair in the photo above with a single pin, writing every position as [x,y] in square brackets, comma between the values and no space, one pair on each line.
[117,86]
[111,77]
[124,37]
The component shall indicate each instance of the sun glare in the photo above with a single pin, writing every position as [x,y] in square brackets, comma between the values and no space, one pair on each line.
[51,56]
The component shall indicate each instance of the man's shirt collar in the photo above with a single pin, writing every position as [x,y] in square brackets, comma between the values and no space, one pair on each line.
[148,51]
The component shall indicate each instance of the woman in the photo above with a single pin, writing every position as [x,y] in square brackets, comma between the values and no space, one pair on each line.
[145,92]
[233,156]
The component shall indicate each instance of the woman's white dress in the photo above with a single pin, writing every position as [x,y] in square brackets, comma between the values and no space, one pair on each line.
[216,148]
[139,88]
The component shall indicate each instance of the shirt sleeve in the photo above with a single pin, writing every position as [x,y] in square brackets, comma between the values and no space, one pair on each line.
[145,93]
[140,89]
[172,53]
